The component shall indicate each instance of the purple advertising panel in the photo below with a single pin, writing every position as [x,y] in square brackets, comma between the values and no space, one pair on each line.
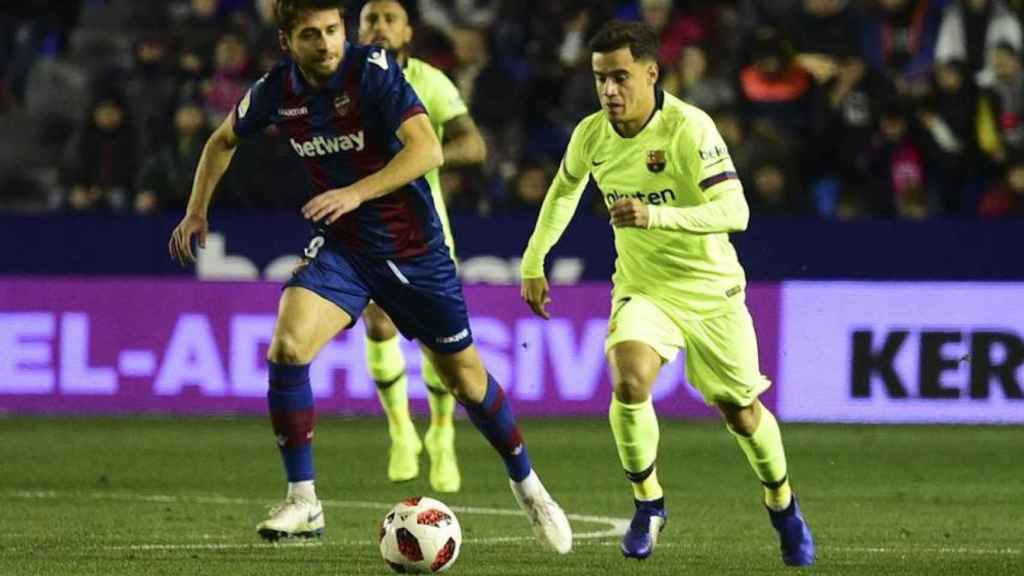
[902,352]
[184,346]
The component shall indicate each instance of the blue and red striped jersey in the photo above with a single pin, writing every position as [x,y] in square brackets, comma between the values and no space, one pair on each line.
[345,131]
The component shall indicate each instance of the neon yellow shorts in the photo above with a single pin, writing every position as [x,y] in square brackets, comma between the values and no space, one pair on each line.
[721,352]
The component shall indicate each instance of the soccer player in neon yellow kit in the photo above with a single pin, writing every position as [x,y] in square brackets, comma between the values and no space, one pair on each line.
[386,23]
[673,197]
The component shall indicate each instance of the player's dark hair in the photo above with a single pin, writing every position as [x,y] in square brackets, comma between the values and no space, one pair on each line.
[640,38]
[287,12]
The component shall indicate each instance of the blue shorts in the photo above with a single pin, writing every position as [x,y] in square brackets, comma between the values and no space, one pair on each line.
[422,295]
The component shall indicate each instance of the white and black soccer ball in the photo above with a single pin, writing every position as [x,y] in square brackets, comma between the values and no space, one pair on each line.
[420,536]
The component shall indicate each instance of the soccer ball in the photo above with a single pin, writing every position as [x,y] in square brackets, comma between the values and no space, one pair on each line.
[419,536]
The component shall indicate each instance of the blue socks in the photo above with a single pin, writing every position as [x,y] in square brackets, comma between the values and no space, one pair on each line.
[493,418]
[290,399]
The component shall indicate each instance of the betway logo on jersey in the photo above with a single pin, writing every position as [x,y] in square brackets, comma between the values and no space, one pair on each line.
[321,146]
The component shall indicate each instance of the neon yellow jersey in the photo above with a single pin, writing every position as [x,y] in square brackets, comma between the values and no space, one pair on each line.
[678,165]
[443,103]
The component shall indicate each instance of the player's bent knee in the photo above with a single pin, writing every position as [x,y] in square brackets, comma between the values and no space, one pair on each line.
[287,349]
[631,387]
[379,329]
[634,368]
[379,326]
[742,420]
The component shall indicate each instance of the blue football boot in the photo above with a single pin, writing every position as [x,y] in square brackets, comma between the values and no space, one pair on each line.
[794,535]
[648,521]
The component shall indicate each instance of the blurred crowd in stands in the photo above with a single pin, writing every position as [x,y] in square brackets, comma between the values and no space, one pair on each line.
[840,109]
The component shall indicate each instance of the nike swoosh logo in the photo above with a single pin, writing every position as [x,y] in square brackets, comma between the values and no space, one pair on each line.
[318,514]
[596,163]
[715,163]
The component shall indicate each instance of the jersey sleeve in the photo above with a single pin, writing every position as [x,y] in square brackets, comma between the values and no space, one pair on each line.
[449,103]
[560,203]
[252,113]
[388,91]
[707,157]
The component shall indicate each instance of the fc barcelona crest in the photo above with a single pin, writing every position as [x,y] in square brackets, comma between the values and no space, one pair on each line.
[655,160]
[341,104]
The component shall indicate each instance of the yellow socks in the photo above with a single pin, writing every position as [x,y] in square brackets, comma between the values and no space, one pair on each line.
[635,428]
[442,403]
[387,368]
[768,459]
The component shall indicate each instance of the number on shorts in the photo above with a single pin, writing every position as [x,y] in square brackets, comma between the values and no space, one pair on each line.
[314,247]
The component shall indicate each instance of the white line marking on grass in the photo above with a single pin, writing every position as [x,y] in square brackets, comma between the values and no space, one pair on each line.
[615,526]
[925,550]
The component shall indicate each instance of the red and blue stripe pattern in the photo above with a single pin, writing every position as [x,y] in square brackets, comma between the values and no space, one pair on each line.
[290,399]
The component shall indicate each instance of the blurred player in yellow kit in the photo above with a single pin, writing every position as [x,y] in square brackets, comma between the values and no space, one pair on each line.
[673,196]
[386,23]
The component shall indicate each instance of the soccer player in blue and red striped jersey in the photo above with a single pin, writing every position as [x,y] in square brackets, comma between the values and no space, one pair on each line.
[348,111]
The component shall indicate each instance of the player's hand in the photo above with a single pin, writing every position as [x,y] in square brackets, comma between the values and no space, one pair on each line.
[180,244]
[629,212]
[535,292]
[331,205]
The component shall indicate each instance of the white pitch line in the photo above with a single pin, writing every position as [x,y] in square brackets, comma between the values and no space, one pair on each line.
[616,526]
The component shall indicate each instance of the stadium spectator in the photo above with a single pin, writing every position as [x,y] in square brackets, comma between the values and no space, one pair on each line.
[971,29]
[772,188]
[774,90]
[229,81]
[198,27]
[451,14]
[149,90]
[690,80]
[530,188]
[897,164]
[166,175]
[1005,198]
[950,119]
[825,35]
[1006,88]
[102,167]
[675,28]
[899,41]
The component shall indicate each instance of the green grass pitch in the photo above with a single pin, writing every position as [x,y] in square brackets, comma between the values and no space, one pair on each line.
[182,496]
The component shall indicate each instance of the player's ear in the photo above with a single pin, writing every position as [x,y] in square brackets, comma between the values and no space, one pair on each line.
[653,73]
[282,40]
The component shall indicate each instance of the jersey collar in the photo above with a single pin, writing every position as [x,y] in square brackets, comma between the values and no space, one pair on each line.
[334,83]
[659,101]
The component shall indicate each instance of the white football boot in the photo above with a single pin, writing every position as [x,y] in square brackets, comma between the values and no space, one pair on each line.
[550,525]
[294,518]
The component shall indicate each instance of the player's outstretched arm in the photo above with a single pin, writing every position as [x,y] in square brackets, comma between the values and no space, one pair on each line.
[463,143]
[213,163]
[420,153]
[558,209]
